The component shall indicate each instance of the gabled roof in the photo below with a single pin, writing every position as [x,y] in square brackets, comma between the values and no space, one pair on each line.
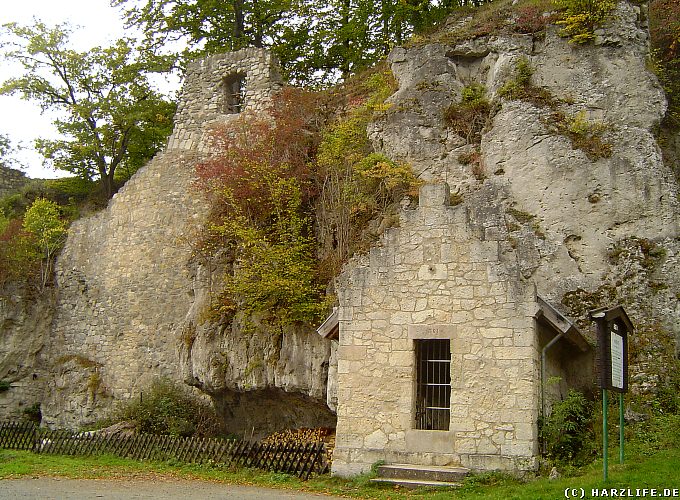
[617,312]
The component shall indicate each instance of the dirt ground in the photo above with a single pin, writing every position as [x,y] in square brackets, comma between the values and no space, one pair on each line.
[150,489]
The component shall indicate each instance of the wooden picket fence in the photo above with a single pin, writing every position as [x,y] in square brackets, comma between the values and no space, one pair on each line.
[302,460]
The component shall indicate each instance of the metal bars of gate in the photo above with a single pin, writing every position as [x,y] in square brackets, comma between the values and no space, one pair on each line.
[433,384]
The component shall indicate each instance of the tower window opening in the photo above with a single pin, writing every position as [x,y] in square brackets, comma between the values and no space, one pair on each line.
[234,93]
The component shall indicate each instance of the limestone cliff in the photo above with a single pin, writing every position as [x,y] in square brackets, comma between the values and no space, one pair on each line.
[25,325]
[587,232]
[130,300]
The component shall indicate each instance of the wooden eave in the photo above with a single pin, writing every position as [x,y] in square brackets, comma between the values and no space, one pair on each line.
[330,329]
[550,317]
[617,312]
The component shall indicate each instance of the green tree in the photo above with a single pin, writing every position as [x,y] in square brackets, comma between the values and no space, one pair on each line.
[18,255]
[111,116]
[665,33]
[316,41]
[43,220]
[258,181]
[5,149]
[582,17]
[231,24]
[210,26]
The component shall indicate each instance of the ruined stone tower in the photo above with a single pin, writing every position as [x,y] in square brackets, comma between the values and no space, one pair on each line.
[123,285]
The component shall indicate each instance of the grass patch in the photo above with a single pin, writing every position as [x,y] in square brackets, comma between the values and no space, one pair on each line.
[468,117]
[649,464]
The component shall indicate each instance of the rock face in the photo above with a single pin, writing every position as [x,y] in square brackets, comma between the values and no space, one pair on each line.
[534,215]
[129,299]
[24,323]
[262,378]
[579,209]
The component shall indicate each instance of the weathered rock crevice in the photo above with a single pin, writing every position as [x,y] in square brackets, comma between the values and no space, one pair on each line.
[256,413]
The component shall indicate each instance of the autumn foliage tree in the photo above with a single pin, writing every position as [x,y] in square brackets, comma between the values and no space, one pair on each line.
[19,258]
[665,35]
[292,193]
[260,186]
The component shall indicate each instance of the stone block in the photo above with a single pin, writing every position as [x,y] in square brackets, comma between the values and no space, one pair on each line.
[519,448]
[422,316]
[376,440]
[463,292]
[343,366]
[401,318]
[487,447]
[525,431]
[495,333]
[439,331]
[423,441]
[401,358]
[466,445]
[428,272]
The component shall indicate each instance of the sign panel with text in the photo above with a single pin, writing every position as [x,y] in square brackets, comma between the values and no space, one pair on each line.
[613,328]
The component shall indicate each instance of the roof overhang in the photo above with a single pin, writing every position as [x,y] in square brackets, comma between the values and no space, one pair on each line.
[549,316]
[615,313]
[330,329]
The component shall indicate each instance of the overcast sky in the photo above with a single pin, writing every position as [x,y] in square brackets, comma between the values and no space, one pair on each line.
[20,120]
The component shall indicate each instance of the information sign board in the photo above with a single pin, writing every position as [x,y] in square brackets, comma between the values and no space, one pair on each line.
[616,346]
[613,328]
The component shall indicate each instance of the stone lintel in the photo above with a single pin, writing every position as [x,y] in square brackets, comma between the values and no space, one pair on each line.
[442,331]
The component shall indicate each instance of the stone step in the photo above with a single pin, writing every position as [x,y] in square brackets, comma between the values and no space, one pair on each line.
[445,474]
[414,483]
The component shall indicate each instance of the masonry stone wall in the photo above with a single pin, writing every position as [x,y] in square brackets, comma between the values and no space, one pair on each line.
[433,278]
[124,285]
[535,215]
[202,100]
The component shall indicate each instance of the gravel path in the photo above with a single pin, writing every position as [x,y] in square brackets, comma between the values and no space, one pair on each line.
[151,489]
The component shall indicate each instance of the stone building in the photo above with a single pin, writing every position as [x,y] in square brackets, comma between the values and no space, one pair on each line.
[439,355]
[454,331]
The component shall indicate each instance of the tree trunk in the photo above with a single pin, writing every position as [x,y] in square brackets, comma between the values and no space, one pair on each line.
[385,8]
[239,25]
[108,184]
[345,64]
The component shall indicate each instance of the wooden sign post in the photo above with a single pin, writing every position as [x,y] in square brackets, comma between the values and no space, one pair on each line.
[613,328]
